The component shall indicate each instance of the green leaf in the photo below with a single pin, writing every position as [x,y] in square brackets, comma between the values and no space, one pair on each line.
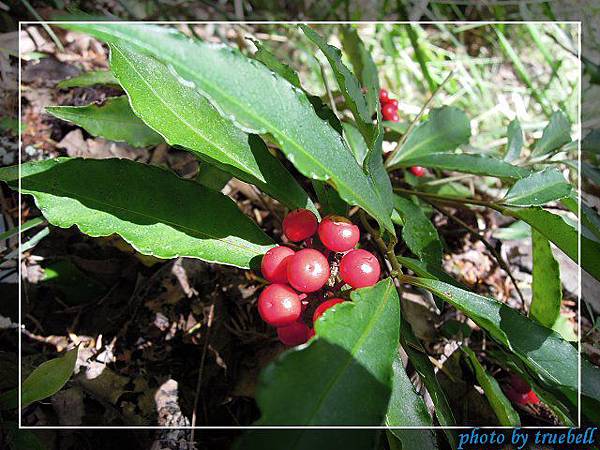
[467,163]
[445,130]
[553,359]
[258,101]
[155,211]
[114,120]
[546,286]
[356,142]
[515,141]
[516,230]
[556,134]
[418,232]
[590,173]
[48,378]
[348,84]
[329,200]
[341,377]
[185,118]
[591,142]
[538,189]
[506,414]
[272,62]
[406,407]
[89,79]
[562,234]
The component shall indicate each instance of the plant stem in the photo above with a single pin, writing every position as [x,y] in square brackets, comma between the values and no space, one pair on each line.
[443,198]
[386,250]
[328,89]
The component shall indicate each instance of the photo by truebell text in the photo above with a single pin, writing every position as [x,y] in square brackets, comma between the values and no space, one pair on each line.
[483,439]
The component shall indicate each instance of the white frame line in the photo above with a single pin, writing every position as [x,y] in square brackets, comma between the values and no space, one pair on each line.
[294,427]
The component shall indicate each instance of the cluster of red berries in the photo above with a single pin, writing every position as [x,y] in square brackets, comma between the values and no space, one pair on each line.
[518,391]
[304,280]
[389,111]
[389,106]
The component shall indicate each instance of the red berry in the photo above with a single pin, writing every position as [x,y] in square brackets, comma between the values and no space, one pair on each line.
[338,233]
[393,102]
[394,118]
[360,268]
[299,225]
[417,171]
[384,97]
[294,334]
[274,264]
[516,397]
[279,305]
[532,398]
[388,110]
[325,306]
[308,270]
[519,384]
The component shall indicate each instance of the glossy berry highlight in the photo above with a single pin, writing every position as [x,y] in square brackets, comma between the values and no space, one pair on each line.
[417,171]
[338,233]
[360,268]
[279,305]
[388,110]
[308,270]
[384,97]
[325,306]
[274,264]
[294,334]
[299,225]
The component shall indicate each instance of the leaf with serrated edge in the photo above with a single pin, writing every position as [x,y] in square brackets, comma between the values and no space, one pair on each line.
[48,378]
[506,414]
[155,211]
[546,286]
[552,358]
[185,118]
[538,189]
[256,100]
[445,130]
[348,84]
[114,120]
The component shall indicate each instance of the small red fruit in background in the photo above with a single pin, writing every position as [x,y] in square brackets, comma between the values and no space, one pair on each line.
[518,391]
[325,306]
[338,233]
[308,270]
[393,102]
[417,171]
[394,118]
[360,268]
[294,334]
[274,264]
[388,111]
[383,96]
[299,225]
[279,305]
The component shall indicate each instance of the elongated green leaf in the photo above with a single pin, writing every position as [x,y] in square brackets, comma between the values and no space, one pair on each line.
[515,141]
[329,200]
[348,84]
[155,211]
[185,118]
[506,414]
[48,378]
[556,134]
[562,234]
[342,377]
[406,407]
[467,163]
[538,188]
[445,130]
[256,100]
[590,173]
[418,232]
[356,142]
[546,286]
[89,79]
[114,120]
[270,60]
[553,359]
